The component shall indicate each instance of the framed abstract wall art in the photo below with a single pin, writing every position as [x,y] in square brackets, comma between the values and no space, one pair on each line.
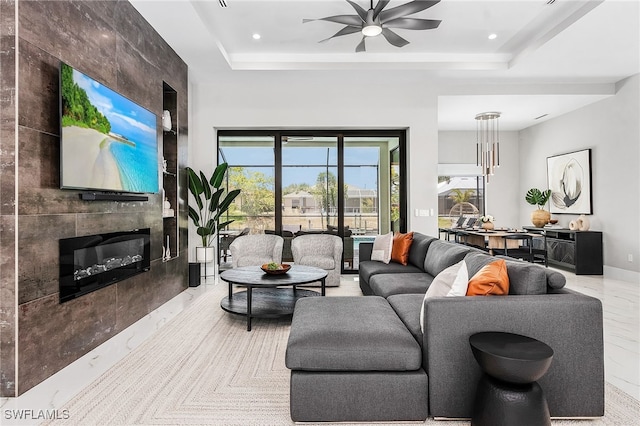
[569,178]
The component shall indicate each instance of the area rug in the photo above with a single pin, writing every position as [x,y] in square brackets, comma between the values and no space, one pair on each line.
[204,368]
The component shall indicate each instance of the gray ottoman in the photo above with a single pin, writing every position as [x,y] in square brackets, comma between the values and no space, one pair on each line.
[352,359]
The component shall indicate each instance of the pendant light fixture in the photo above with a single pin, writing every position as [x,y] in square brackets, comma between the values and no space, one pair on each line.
[488,142]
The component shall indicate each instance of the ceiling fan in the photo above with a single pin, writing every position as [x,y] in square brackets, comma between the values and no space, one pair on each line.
[376,21]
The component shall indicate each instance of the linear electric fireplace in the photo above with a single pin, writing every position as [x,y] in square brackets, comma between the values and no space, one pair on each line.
[96,261]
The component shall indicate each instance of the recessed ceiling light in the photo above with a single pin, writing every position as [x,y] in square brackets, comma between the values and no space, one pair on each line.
[256,36]
[493,36]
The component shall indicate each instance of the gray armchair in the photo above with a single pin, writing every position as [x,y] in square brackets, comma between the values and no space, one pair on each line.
[322,251]
[256,250]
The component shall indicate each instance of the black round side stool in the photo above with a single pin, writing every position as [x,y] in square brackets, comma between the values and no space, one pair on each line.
[508,393]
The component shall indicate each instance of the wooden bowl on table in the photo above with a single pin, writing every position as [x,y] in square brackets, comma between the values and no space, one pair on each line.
[281,269]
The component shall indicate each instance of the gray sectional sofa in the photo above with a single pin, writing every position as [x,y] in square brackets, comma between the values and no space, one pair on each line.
[367,359]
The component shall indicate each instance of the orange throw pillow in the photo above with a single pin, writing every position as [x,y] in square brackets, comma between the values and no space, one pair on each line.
[401,246]
[491,280]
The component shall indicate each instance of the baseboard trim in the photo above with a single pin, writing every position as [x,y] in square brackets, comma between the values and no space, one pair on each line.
[621,274]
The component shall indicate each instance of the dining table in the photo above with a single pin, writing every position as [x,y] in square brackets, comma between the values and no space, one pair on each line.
[491,239]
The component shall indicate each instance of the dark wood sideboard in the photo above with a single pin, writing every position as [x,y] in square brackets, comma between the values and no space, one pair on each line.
[576,251]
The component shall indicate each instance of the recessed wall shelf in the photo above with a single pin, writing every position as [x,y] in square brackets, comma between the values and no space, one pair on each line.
[170,174]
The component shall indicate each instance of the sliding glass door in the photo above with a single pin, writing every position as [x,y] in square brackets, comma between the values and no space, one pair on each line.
[314,182]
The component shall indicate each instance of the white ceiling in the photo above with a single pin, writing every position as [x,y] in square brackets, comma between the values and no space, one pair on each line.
[546,59]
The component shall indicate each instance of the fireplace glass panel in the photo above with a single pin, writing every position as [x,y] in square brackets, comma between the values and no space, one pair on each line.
[96,261]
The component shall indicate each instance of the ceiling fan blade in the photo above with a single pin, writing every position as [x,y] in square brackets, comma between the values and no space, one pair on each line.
[394,38]
[360,47]
[406,9]
[413,23]
[346,30]
[381,5]
[340,19]
[361,12]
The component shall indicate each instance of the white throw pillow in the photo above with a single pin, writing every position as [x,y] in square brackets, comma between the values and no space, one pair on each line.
[451,282]
[382,248]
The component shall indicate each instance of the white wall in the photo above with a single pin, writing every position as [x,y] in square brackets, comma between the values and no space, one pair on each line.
[356,100]
[330,100]
[611,129]
[502,190]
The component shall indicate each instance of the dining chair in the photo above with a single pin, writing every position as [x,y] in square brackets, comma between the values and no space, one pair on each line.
[539,249]
[524,251]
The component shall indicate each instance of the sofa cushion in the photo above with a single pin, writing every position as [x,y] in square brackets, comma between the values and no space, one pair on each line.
[555,279]
[350,334]
[526,278]
[387,284]
[441,255]
[319,261]
[369,268]
[418,250]
[254,259]
[475,260]
[401,245]
[382,246]
[452,282]
[407,307]
[491,280]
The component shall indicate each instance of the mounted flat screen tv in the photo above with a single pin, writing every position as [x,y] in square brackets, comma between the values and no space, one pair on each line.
[108,142]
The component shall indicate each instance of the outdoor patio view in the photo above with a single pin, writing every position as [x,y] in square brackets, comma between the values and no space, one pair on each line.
[309,189]
[459,196]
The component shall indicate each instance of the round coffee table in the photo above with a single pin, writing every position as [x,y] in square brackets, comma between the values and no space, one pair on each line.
[508,392]
[265,297]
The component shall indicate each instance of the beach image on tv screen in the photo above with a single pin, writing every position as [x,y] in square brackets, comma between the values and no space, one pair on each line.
[108,142]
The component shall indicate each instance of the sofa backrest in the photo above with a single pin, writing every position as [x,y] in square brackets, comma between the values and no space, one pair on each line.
[418,250]
[524,277]
[441,255]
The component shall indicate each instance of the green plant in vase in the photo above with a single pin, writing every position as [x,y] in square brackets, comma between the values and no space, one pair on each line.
[539,217]
[211,203]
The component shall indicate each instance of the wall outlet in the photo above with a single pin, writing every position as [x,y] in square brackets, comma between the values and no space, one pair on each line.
[630,257]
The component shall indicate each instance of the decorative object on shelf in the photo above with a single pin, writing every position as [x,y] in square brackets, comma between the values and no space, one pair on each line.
[275,268]
[488,142]
[166,120]
[486,222]
[569,177]
[573,225]
[164,165]
[207,194]
[167,253]
[167,211]
[535,197]
[583,223]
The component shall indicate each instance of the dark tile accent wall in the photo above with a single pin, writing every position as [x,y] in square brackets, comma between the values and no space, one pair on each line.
[111,42]
[7,199]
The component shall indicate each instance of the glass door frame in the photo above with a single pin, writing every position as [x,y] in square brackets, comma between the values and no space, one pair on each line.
[278,135]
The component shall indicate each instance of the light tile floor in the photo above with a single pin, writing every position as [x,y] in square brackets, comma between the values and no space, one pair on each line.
[621,308]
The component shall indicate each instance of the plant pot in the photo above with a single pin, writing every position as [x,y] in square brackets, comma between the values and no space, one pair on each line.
[205,254]
[540,218]
[487,226]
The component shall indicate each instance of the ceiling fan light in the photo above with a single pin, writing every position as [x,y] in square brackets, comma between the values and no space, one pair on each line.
[371,30]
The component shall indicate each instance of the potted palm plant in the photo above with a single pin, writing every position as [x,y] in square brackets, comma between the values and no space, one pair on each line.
[539,217]
[211,202]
